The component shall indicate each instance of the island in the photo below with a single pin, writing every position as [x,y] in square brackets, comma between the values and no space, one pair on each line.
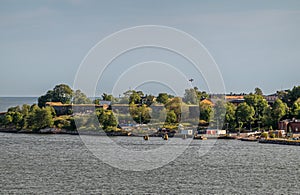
[196,114]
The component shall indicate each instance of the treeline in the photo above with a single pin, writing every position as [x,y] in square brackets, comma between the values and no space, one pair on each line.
[172,112]
[36,117]
[64,94]
[28,117]
[255,112]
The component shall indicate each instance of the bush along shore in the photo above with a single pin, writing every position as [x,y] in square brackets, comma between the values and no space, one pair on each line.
[35,120]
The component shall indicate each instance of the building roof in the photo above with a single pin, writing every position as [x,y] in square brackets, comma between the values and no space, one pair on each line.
[76,105]
[206,101]
[234,97]
[54,104]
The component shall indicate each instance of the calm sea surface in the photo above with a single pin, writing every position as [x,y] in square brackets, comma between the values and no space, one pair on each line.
[7,102]
[62,164]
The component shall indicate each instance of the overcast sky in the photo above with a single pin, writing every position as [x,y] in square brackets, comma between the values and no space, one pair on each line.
[255,43]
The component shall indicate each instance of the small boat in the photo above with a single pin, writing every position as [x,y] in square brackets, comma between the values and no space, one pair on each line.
[201,137]
[146,137]
[165,137]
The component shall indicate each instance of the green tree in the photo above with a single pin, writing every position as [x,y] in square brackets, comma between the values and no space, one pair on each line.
[296,110]
[25,112]
[100,114]
[96,101]
[65,122]
[206,111]
[17,116]
[175,105]
[18,120]
[294,94]
[268,119]
[48,97]
[112,122]
[107,97]
[162,98]
[140,114]
[190,96]
[258,91]
[106,119]
[201,95]
[290,96]
[148,100]
[25,109]
[14,109]
[60,93]
[171,118]
[230,115]
[7,120]
[109,121]
[80,98]
[40,118]
[128,93]
[279,109]
[30,118]
[244,113]
[272,115]
[136,97]
[258,102]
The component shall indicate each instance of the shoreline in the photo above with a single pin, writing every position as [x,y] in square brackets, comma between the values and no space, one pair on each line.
[80,132]
[126,134]
[280,142]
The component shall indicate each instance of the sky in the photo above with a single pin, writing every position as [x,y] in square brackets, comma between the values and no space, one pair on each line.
[254,43]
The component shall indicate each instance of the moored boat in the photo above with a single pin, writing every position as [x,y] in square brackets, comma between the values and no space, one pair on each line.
[165,137]
[146,137]
[201,137]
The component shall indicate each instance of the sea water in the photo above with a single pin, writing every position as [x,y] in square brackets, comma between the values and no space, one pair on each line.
[7,102]
[62,164]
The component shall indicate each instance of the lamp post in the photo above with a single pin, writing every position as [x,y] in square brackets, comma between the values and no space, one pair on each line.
[227,128]
[140,117]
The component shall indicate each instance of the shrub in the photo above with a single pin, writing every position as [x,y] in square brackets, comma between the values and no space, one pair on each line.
[264,135]
[272,135]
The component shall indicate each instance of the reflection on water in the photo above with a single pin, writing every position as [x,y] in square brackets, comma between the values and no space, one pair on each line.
[62,164]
